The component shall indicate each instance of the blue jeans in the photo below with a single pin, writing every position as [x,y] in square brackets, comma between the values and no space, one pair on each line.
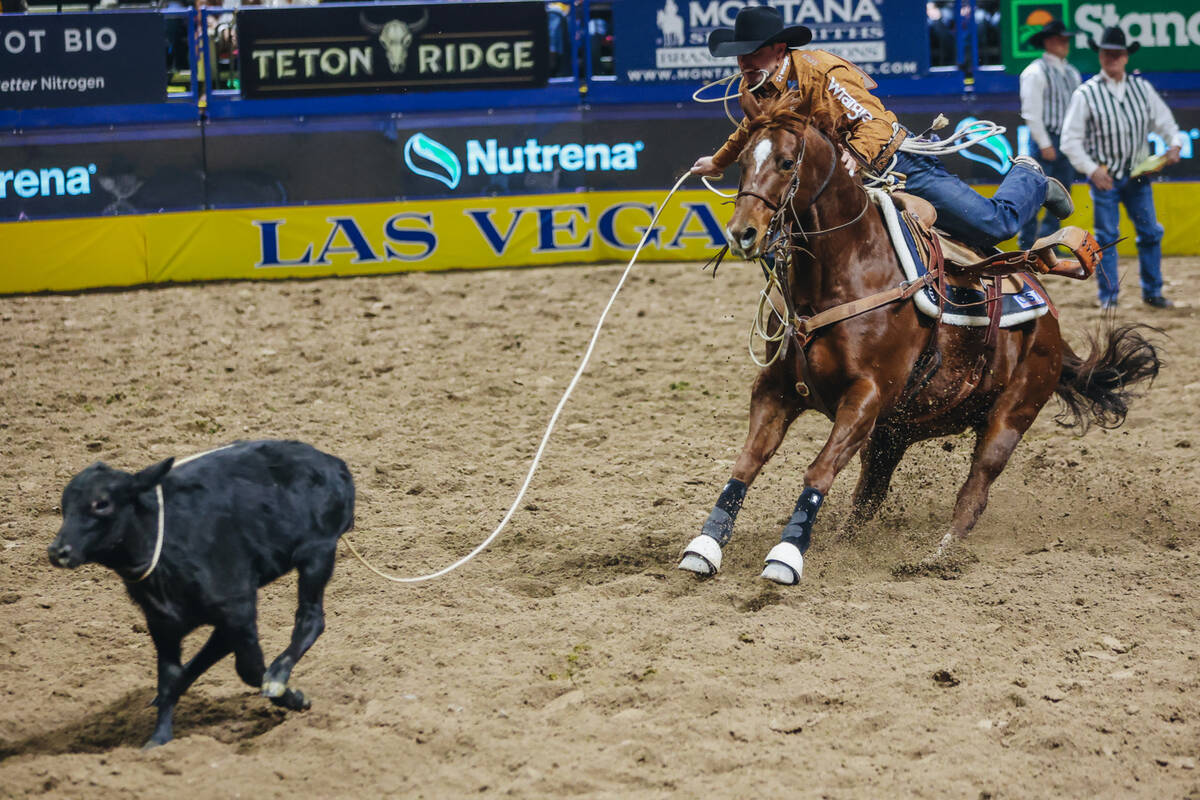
[1138,198]
[966,214]
[1059,168]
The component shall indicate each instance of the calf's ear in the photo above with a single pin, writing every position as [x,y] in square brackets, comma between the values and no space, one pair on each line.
[152,475]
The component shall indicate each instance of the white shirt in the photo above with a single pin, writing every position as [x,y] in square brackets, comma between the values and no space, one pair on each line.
[1079,114]
[1033,94]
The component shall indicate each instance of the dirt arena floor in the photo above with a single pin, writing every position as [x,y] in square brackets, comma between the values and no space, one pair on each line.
[1059,657]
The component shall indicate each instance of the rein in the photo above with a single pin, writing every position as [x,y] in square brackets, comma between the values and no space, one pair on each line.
[778,209]
[792,325]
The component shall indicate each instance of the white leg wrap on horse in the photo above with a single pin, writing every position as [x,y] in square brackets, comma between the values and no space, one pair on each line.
[702,556]
[784,563]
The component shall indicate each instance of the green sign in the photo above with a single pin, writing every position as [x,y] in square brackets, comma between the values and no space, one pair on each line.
[1167,30]
[1024,19]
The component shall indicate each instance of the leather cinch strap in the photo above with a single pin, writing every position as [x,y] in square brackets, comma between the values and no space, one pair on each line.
[806,326]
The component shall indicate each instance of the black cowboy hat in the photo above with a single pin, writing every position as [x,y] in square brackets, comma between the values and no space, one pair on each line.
[755,27]
[1054,27]
[1113,38]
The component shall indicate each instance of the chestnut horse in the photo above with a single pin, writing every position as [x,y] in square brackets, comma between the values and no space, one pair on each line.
[891,376]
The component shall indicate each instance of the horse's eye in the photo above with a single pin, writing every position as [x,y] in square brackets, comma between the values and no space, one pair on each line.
[101,507]
[787,165]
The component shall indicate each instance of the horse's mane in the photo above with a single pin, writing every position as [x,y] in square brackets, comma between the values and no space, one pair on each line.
[780,112]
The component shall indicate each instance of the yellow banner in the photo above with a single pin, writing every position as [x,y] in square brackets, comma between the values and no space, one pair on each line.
[310,241]
[313,241]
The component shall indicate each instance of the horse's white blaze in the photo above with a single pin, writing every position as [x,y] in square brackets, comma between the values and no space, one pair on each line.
[761,153]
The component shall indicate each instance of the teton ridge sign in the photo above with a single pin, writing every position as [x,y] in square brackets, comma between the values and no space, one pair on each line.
[392,48]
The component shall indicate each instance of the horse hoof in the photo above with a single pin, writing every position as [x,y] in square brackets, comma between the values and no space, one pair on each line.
[945,544]
[296,701]
[292,700]
[702,556]
[273,689]
[784,564]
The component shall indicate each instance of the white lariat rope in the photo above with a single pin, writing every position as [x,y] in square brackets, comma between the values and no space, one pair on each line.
[715,190]
[549,428]
[159,540]
[730,81]
[758,328]
[158,494]
[967,136]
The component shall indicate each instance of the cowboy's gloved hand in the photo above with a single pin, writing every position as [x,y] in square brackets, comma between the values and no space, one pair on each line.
[704,166]
[849,162]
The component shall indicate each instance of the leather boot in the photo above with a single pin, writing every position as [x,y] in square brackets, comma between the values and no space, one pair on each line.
[1058,200]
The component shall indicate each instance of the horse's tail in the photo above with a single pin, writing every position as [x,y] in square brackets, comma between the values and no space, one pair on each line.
[1098,388]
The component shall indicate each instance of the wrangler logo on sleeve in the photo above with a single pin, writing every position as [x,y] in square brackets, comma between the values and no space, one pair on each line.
[854,109]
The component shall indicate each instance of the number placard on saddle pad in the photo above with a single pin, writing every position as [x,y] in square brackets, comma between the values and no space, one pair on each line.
[329,49]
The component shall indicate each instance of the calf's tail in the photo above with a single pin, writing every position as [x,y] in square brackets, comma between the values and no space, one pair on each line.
[1097,389]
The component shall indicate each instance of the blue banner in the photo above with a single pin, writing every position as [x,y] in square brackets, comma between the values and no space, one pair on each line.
[659,41]
[57,60]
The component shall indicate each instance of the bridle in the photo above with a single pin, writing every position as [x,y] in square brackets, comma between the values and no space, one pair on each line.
[779,235]
[785,202]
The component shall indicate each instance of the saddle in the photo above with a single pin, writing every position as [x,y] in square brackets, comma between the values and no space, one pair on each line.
[1042,258]
[967,286]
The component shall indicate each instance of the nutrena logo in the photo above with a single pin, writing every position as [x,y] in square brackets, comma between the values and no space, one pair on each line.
[997,145]
[489,158]
[47,182]
[431,158]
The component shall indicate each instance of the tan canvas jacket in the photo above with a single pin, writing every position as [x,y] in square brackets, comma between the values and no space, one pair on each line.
[825,81]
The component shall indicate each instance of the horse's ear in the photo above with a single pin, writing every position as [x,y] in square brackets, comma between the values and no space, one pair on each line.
[750,105]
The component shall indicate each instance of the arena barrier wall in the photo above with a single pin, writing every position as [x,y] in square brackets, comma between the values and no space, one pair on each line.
[376,238]
[314,241]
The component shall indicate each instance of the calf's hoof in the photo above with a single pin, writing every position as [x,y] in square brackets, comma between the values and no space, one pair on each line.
[784,564]
[155,741]
[702,556]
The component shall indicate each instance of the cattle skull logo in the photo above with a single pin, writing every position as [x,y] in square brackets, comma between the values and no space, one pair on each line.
[395,36]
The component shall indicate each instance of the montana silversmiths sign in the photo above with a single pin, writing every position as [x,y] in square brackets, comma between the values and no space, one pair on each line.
[59,60]
[657,41]
[392,48]
[1167,30]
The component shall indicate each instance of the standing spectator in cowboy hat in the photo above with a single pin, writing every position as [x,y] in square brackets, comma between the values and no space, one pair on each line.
[870,134]
[1105,136]
[1046,87]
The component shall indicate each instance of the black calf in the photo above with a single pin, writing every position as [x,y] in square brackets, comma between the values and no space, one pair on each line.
[232,520]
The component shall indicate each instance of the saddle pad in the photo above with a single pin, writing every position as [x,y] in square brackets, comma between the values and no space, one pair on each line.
[964,306]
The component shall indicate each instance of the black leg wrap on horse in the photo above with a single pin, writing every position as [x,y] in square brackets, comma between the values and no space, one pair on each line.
[719,524]
[798,531]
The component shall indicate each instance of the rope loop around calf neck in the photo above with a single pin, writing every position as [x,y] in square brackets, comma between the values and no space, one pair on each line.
[162,518]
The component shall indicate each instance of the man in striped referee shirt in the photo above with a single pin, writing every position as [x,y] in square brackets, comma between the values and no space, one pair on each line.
[1046,87]
[1105,136]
